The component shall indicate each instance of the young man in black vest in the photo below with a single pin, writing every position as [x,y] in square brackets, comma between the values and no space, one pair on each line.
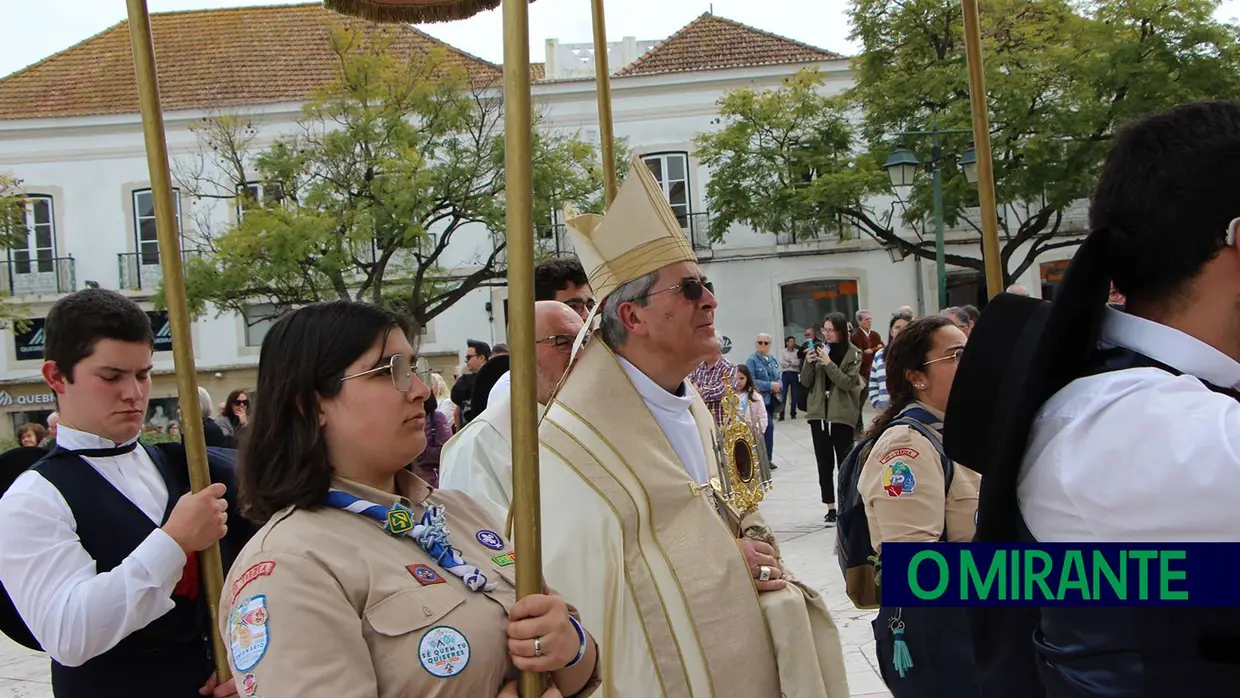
[1140,437]
[99,540]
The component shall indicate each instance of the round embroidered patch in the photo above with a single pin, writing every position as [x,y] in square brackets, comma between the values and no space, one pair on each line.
[898,480]
[490,539]
[443,651]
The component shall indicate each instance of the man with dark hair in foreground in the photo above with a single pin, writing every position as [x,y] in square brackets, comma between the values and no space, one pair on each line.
[1140,439]
[99,539]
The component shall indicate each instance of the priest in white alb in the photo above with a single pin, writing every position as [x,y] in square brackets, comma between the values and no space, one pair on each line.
[632,531]
[478,458]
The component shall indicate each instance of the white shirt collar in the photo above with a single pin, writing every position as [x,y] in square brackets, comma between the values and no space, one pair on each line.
[654,395]
[75,440]
[1170,346]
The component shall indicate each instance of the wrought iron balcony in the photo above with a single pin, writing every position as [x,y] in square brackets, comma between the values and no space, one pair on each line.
[27,276]
[141,270]
[697,229]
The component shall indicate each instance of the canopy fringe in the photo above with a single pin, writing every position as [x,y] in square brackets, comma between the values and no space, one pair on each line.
[411,11]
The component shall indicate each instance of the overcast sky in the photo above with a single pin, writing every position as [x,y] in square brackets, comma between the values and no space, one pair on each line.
[31,31]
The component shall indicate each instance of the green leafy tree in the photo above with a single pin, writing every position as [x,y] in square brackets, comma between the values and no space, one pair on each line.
[783,163]
[397,158]
[13,234]
[1061,77]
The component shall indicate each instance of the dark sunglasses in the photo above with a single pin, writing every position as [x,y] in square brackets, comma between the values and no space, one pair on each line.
[243,403]
[762,343]
[690,287]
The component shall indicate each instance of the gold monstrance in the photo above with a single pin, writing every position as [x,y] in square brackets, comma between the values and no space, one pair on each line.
[745,469]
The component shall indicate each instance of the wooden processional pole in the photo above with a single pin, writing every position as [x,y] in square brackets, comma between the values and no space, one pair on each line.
[981,146]
[518,170]
[169,236]
[602,73]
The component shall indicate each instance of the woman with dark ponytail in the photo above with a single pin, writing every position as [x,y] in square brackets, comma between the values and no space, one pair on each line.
[912,494]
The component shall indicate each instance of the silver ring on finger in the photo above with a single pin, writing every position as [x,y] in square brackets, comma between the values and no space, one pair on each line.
[764,573]
[538,647]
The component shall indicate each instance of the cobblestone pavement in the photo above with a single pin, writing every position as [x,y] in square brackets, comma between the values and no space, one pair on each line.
[792,508]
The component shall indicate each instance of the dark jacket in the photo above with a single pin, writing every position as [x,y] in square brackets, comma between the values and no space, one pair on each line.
[172,654]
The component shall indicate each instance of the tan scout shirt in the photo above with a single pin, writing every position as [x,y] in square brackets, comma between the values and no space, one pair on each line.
[325,603]
[902,486]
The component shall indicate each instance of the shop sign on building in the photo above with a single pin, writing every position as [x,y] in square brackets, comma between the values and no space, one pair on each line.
[7,399]
[28,345]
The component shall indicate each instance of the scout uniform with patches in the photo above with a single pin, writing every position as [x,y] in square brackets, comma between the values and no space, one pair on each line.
[334,602]
[906,501]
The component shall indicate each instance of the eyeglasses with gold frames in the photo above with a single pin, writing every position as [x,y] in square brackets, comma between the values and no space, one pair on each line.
[401,371]
[954,356]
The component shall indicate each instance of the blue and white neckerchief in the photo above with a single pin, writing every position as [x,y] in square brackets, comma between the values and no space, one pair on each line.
[431,533]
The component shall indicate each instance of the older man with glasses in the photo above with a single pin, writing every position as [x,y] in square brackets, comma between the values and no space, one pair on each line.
[632,528]
[478,459]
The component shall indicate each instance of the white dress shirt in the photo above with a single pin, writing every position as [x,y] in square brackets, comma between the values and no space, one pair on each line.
[74,612]
[1138,455]
[674,418]
[500,388]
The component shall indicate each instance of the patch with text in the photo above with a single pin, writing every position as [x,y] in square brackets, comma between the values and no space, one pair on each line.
[261,569]
[898,480]
[248,633]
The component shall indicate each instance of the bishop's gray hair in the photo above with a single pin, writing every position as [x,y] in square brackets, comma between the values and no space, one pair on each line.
[611,327]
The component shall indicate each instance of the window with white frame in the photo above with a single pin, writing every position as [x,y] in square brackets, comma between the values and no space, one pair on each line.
[146,241]
[261,193]
[672,172]
[258,318]
[38,253]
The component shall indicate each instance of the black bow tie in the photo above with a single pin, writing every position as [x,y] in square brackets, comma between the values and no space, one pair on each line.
[102,452]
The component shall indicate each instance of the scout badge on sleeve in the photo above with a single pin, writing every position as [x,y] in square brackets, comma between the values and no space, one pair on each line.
[745,470]
[430,533]
[898,480]
[443,651]
[247,632]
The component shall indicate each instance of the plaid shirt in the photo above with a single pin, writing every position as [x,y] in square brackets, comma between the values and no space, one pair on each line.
[709,381]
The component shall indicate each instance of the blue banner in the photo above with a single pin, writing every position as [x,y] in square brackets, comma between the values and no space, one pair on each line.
[1061,574]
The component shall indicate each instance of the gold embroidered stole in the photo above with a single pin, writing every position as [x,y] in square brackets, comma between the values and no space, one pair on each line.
[695,597]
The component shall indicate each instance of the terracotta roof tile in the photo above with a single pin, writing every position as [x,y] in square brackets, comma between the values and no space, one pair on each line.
[711,42]
[538,71]
[206,59]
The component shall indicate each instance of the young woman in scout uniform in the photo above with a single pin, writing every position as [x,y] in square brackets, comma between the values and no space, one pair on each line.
[903,486]
[364,581]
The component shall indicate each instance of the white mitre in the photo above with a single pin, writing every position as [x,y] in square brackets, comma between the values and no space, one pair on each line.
[639,234]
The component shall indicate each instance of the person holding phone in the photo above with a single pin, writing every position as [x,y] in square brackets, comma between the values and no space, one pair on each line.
[832,380]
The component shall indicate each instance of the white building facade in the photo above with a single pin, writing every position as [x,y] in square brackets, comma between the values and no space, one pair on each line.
[91,218]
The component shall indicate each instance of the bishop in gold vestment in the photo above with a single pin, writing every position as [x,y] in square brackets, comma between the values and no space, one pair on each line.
[631,530]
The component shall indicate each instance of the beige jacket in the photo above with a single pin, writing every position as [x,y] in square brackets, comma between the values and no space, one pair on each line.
[900,513]
[325,603]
